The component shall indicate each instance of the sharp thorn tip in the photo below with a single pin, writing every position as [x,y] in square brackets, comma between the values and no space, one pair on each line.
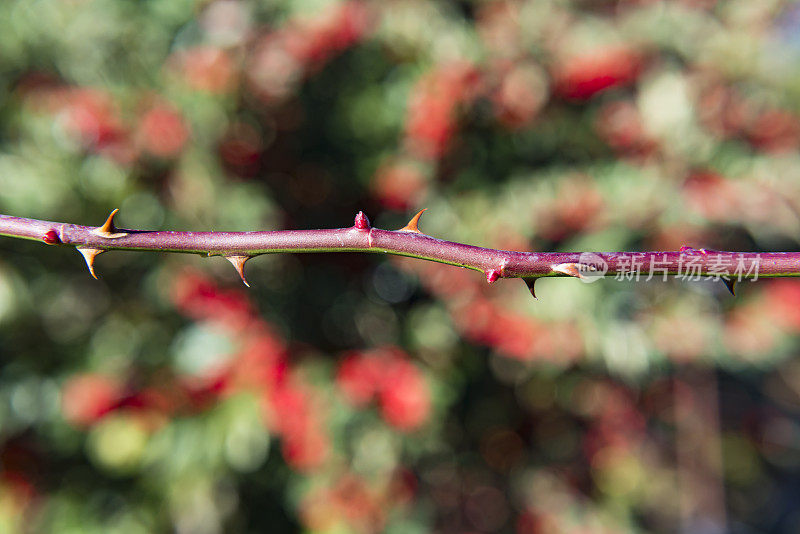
[730,283]
[413,224]
[89,254]
[238,264]
[530,282]
[108,230]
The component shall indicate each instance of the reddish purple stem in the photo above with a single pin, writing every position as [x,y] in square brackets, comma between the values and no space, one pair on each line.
[363,238]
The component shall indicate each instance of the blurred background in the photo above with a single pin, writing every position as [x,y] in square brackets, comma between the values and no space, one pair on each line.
[356,393]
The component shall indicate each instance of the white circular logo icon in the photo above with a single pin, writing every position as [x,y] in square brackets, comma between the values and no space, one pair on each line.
[592,267]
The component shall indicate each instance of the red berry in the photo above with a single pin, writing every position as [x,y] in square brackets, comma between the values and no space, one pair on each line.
[620,125]
[305,451]
[292,414]
[241,149]
[163,132]
[399,185]
[87,398]
[208,69]
[581,77]
[92,119]
[433,108]
[775,131]
[405,398]
[520,96]
[783,296]
[359,377]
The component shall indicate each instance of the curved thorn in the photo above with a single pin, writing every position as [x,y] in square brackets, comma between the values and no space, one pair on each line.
[413,224]
[238,264]
[492,276]
[730,283]
[108,226]
[89,254]
[108,230]
[529,282]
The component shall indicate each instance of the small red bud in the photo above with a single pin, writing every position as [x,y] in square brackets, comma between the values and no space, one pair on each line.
[51,238]
[492,276]
[362,223]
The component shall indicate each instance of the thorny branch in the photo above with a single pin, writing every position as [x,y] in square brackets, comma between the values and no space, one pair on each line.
[238,247]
